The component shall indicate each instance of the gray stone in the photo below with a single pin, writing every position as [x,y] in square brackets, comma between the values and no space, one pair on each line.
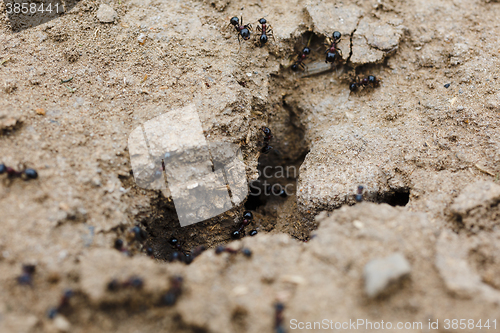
[106,14]
[381,273]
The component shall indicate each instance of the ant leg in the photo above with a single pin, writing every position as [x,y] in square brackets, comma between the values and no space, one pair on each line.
[270,32]
[249,26]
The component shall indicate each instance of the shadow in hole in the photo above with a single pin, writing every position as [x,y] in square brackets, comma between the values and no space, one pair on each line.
[397,198]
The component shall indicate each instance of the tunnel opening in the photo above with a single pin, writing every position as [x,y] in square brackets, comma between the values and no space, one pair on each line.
[396,198]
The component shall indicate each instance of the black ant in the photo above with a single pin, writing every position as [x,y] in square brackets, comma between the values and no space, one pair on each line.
[299,62]
[278,190]
[198,250]
[267,134]
[266,31]
[246,252]
[63,303]
[219,249]
[243,30]
[267,138]
[247,218]
[25,173]
[139,234]
[359,196]
[159,171]
[333,51]
[367,81]
[279,318]
[180,254]
[173,293]
[26,278]
[118,244]
[133,282]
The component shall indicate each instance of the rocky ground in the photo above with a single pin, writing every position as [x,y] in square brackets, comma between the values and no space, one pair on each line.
[422,246]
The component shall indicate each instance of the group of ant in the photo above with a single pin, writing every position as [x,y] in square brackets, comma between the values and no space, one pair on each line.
[135,234]
[333,53]
[247,215]
[244,30]
[139,235]
[187,257]
[169,298]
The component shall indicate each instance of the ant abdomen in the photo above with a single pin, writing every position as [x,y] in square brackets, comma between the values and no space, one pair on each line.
[330,57]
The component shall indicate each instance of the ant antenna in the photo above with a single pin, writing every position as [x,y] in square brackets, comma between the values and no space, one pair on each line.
[310,38]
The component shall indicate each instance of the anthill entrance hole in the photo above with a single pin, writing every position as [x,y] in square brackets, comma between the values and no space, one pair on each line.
[272,198]
[396,198]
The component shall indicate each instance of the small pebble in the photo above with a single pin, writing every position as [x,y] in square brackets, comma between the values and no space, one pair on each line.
[380,273]
[62,324]
[106,14]
[141,39]
[447,85]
